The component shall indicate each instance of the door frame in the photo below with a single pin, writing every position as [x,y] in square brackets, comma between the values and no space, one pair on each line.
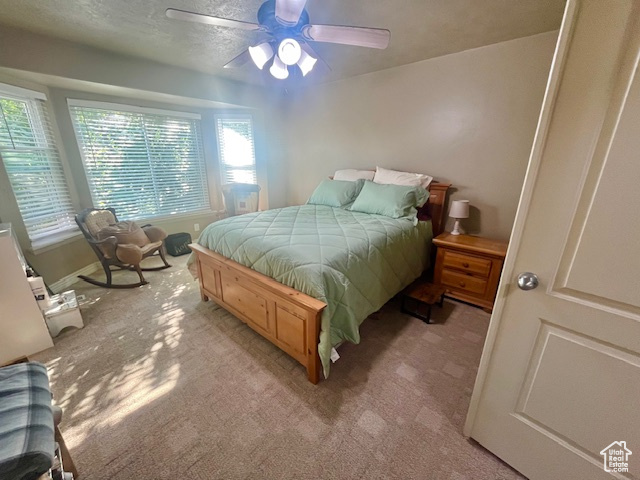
[535,159]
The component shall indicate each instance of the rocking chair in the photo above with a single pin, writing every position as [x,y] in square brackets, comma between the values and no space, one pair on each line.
[122,245]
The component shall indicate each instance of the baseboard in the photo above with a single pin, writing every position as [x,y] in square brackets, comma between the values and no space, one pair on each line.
[65,282]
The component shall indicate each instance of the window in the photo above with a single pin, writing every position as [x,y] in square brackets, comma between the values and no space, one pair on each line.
[142,162]
[33,165]
[236,149]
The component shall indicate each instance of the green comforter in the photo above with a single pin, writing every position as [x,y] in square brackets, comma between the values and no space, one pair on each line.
[354,262]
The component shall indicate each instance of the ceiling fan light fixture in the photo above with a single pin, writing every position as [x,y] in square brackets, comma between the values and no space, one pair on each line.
[279,69]
[284,28]
[261,54]
[289,51]
[306,63]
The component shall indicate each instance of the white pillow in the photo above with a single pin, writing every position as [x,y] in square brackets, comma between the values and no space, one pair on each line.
[352,175]
[394,177]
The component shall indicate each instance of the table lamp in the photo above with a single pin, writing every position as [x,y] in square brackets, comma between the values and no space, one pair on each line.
[459,209]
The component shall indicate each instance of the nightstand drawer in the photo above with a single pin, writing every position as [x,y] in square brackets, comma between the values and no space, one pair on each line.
[467,263]
[460,281]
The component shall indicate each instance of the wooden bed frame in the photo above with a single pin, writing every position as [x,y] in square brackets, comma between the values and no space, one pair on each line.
[286,317]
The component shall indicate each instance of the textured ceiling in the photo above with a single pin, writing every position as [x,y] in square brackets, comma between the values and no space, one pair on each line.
[420,29]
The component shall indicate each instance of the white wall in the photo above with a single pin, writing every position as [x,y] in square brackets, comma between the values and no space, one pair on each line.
[468,118]
[27,51]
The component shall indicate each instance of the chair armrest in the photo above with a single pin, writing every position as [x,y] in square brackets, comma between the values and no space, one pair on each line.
[106,245]
[113,240]
[155,234]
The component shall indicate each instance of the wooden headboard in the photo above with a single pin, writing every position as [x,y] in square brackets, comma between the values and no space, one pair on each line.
[436,206]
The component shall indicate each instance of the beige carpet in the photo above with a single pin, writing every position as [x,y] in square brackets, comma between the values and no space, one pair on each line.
[160,385]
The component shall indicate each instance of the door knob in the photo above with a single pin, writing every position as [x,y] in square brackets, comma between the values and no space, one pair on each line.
[527,281]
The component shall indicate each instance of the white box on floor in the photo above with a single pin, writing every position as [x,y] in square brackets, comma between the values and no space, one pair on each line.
[64,312]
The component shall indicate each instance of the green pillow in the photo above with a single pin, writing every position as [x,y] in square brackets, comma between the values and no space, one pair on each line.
[335,193]
[395,201]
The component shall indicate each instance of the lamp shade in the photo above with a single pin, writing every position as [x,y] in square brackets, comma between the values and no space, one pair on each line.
[279,69]
[261,54]
[306,63]
[289,51]
[459,209]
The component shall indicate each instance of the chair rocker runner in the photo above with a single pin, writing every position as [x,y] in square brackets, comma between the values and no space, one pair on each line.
[120,244]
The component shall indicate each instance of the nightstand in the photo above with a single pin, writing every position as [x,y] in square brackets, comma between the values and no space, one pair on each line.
[469,267]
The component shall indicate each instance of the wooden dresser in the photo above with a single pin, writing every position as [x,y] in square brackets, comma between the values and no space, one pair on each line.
[469,267]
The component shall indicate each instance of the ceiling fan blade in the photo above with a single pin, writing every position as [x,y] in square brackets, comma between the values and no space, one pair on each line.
[321,62]
[358,36]
[288,11]
[239,60]
[210,20]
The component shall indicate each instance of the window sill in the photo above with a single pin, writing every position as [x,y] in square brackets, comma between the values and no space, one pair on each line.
[52,243]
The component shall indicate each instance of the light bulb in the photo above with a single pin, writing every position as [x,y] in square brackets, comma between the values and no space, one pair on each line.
[306,63]
[279,69]
[261,54]
[289,51]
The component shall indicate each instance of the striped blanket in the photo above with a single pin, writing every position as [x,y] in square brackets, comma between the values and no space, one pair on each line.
[26,422]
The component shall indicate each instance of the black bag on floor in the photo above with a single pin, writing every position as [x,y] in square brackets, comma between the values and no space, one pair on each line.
[178,244]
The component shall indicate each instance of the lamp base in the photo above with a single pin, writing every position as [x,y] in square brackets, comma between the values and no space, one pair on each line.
[456,228]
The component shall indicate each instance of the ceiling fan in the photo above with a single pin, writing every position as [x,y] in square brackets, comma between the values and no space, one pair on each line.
[286,35]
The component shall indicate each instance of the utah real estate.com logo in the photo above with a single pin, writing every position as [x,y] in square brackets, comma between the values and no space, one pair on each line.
[616,457]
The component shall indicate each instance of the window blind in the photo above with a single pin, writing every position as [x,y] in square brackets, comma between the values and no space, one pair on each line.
[236,149]
[34,168]
[143,163]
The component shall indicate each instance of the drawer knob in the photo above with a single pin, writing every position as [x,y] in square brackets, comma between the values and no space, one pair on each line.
[462,284]
[465,265]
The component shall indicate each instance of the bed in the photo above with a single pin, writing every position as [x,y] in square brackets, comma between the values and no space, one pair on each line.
[305,277]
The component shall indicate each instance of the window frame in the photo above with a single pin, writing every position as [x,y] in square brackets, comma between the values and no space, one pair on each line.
[45,123]
[135,109]
[235,116]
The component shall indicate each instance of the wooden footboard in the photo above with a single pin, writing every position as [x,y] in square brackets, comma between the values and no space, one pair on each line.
[286,317]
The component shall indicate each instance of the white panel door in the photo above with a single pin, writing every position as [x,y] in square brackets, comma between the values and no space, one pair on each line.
[559,379]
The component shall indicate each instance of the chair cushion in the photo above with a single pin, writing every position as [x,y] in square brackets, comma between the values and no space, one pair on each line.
[155,234]
[126,233]
[129,254]
[96,220]
[150,247]
[133,255]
